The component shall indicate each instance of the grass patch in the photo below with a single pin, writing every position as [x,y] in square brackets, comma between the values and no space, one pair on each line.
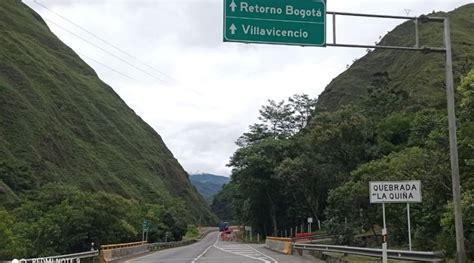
[192,232]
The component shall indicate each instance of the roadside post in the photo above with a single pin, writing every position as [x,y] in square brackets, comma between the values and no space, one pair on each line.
[248,232]
[394,192]
[310,221]
[146,228]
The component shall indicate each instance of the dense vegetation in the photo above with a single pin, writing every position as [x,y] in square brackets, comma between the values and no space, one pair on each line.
[77,165]
[382,119]
[208,185]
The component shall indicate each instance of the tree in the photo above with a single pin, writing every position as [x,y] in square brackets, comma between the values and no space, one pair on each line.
[279,118]
[302,107]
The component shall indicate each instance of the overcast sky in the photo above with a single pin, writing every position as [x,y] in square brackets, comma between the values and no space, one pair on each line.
[199,93]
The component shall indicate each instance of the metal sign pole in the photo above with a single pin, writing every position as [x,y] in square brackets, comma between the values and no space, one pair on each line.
[409,226]
[453,147]
[384,234]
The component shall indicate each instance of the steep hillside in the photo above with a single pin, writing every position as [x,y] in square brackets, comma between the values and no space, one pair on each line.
[61,124]
[417,77]
[208,184]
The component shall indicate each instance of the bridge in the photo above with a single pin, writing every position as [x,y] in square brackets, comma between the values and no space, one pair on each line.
[212,247]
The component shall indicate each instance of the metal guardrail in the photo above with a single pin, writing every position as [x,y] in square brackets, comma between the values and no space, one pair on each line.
[68,258]
[123,245]
[164,245]
[374,252]
[311,238]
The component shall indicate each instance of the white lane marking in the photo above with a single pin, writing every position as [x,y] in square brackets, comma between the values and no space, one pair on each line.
[274,260]
[205,251]
[244,255]
[245,251]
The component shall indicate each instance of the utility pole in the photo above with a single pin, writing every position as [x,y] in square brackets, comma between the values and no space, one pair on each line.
[453,148]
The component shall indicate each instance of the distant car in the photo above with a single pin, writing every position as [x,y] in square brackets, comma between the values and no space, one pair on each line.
[223,226]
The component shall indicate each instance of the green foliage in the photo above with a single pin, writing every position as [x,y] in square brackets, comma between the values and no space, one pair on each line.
[59,219]
[447,237]
[17,177]
[222,205]
[10,244]
[466,90]
[393,133]
[192,232]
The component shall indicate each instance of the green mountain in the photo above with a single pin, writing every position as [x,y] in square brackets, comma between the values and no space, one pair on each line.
[61,125]
[417,77]
[208,185]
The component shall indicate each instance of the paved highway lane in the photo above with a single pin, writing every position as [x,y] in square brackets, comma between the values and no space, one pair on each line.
[212,250]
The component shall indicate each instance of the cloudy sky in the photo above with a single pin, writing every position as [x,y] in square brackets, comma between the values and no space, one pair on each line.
[167,60]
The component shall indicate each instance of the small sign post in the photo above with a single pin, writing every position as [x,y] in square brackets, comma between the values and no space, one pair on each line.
[146,228]
[310,221]
[249,229]
[394,192]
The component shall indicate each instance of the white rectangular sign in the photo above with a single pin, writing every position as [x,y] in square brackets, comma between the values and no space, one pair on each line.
[310,220]
[395,192]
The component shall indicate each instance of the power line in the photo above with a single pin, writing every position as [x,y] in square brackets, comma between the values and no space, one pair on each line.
[105,41]
[104,65]
[104,50]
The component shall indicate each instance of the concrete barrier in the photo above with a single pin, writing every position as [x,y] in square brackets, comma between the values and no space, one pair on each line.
[113,252]
[279,244]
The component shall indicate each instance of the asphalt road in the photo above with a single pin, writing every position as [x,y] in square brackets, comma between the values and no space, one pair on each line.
[212,250]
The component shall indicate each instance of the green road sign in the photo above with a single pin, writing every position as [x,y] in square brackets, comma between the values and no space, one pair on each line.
[289,22]
[146,225]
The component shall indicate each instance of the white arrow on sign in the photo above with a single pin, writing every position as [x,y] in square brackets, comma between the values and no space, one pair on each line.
[232,29]
[233,6]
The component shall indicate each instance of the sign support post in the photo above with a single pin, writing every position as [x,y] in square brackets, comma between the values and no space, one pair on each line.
[409,226]
[310,222]
[384,236]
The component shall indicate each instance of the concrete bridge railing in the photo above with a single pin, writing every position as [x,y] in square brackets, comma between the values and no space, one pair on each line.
[118,251]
